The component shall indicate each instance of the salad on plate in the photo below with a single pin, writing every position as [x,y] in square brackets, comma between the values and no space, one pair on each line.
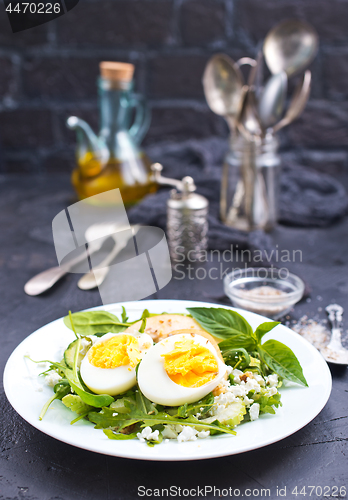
[166,376]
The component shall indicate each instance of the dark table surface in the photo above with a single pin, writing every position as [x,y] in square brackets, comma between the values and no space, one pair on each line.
[33,465]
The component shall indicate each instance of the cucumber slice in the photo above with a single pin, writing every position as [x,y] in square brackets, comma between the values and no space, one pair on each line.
[232,415]
[69,354]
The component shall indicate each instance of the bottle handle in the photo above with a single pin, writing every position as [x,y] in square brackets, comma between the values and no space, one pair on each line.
[142,118]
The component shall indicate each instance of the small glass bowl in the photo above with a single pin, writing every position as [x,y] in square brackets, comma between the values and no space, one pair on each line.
[270,292]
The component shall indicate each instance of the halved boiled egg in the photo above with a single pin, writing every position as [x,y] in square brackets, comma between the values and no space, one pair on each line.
[180,369]
[109,365]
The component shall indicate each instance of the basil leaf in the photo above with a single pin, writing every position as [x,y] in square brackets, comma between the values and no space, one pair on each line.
[282,360]
[238,342]
[222,323]
[264,328]
[91,322]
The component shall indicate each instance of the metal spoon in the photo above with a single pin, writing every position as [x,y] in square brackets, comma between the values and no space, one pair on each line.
[97,276]
[298,102]
[334,352]
[290,46]
[255,74]
[272,100]
[249,125]
[222,83]
[95,236]
[248,121]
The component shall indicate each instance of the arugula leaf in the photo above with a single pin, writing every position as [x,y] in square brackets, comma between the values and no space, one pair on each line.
[282,361]
[264,328]
[92,322]
[124,316]
[107,418]
[122,405]
[231,353]
[224,324]
[75,403]
[144,404]
[72,325]
[267,402]
[60,390]
[205,403]
[110,417]
[144,316]
[118,435]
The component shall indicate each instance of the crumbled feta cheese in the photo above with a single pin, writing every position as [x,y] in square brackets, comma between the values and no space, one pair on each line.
[254,411]
[44,365]
[84,346]
[272,380]
[238,390]
[248,401]
[236,374]
[203,434]
[260,380]
[187,434]
[271,392]
[251,385]
[148,435]
[52,379]
[229,369]
[169,432]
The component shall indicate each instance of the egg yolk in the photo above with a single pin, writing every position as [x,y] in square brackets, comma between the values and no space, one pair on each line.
[190,364]
[121,350]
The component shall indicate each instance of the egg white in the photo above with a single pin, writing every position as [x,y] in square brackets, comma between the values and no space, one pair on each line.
[158,387]
[113,381]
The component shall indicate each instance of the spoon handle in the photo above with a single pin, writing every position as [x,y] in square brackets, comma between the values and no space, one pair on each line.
[335,343]
[335,317]
[45,280]
[96,277]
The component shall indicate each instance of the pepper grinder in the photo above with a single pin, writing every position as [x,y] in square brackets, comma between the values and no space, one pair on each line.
[187,211]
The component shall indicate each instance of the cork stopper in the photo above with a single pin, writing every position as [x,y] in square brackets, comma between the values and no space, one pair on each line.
[116,71]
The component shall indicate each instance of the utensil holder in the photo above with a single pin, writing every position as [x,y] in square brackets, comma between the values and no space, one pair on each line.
[250,183]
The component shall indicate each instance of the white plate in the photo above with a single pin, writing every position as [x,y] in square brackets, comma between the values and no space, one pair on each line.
[27,394]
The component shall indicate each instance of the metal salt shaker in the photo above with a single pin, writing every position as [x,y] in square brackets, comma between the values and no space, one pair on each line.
[187,211]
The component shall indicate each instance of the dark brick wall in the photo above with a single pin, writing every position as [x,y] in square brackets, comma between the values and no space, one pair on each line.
[50,72]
